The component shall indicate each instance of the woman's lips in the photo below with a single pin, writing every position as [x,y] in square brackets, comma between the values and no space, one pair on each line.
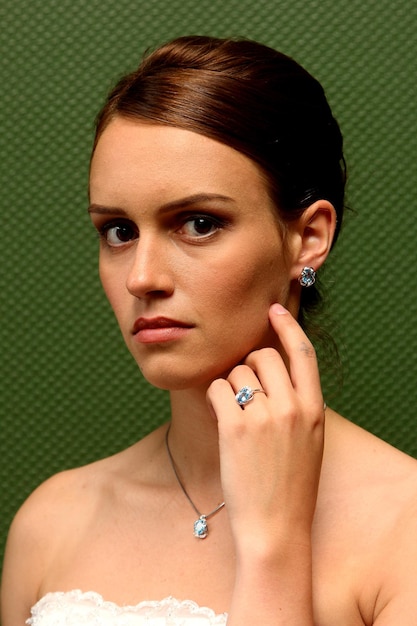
[159,329]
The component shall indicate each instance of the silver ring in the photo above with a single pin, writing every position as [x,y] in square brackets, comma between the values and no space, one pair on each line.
[246,394]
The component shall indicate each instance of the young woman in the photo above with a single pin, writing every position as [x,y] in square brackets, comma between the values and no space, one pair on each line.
[216,186]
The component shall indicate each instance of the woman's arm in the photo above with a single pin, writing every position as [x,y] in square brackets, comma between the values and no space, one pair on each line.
[21,568]
[33,538]
[271,455]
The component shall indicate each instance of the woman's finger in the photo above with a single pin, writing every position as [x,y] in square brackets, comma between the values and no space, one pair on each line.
[300,355]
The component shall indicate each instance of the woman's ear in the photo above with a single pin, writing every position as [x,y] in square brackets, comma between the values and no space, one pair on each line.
[314,232]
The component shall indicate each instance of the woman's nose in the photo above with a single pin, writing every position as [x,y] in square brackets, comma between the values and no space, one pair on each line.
[150,272]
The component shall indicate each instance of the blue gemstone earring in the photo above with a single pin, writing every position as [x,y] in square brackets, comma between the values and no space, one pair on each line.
[307,277]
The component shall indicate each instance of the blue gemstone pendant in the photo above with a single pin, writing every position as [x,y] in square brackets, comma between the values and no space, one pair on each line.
[200,527]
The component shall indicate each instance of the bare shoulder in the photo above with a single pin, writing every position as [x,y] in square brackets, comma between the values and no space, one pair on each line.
[38,518]
[34,537]
[369,461]
[54,516]
[369,476]
[72,496]
[374,487]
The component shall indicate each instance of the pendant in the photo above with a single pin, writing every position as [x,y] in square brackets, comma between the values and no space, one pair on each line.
[200,527]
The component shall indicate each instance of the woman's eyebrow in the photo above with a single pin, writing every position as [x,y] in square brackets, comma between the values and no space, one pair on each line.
[181,203]
[197,198]
[105,210]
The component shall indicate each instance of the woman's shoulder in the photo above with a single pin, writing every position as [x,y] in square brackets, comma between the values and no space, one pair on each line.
[366,517]
[52,505]
[370,478]
[82,487]
[362,459]
[60,511]
[350,441]
[34,537]
[74,494]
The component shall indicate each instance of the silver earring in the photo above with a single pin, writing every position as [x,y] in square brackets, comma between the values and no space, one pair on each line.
[307,277]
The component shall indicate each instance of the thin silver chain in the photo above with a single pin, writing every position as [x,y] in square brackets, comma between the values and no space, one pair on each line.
[220,506]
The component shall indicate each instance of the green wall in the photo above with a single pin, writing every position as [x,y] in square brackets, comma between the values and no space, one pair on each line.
[69,390]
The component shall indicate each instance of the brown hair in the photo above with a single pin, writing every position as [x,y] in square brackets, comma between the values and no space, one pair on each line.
[252,98]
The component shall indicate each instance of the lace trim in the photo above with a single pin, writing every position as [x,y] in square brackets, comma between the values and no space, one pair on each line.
[148,608]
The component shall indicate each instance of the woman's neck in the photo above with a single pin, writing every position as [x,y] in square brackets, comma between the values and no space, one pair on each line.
[193,439]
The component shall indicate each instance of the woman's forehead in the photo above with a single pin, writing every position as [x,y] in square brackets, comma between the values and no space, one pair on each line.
[135,156]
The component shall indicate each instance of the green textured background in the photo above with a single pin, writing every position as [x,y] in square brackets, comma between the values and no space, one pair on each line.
[69,390]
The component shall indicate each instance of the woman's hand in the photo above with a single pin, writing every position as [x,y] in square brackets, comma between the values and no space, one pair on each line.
[270,461]
[271,451]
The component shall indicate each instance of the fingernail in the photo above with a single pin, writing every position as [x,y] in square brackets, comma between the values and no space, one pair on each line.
[278,309]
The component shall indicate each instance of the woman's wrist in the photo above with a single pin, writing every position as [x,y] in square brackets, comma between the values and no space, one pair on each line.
[273,586]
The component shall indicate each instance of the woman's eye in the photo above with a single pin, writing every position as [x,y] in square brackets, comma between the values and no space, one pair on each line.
[201,226]
[118,233]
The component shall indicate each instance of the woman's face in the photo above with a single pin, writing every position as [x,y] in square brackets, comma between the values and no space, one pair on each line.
[191,255]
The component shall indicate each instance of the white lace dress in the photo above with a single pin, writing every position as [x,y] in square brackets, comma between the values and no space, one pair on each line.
[77,608]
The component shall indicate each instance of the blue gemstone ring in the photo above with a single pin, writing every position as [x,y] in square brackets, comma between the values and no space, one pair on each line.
[246,394]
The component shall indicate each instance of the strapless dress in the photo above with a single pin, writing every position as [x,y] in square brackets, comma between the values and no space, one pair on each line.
[78,608]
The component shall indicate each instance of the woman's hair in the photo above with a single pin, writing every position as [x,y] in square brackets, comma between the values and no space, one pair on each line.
[254,99]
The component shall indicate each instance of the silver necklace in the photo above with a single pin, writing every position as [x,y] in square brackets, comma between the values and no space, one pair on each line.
[200,525]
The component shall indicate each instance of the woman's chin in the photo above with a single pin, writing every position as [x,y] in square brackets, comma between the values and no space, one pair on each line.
[179,379]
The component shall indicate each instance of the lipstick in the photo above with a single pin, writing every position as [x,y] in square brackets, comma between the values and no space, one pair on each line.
[159,329]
